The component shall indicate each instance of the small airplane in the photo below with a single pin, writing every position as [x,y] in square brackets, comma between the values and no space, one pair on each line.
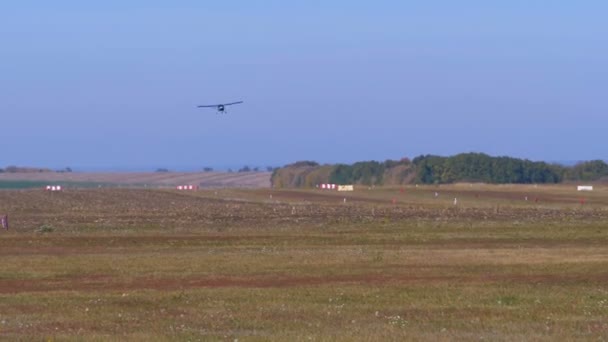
[221,108]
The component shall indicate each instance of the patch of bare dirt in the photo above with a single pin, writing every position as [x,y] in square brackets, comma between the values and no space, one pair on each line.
[107,283]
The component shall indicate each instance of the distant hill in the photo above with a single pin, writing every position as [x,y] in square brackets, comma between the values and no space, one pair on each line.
[430,169]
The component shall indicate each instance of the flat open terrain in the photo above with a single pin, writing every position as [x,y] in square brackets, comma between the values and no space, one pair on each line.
[136,179]
[262,264]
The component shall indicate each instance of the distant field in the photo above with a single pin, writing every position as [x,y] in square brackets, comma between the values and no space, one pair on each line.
[136,179]
[264,264]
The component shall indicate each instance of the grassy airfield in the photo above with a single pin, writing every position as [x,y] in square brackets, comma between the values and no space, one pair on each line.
[375,264]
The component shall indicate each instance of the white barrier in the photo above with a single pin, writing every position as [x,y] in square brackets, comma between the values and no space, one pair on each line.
[187,187]
[328,186]
[585,188]
[346,188]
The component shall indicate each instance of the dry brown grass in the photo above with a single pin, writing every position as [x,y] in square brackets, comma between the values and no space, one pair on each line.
[303,265]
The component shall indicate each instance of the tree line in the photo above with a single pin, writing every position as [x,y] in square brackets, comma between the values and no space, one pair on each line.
[432,169]
[310,173]
[479,167]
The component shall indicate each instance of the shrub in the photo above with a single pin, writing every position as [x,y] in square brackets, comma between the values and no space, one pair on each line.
[45,229]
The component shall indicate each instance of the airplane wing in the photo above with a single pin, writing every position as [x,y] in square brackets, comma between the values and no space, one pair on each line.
[233,103]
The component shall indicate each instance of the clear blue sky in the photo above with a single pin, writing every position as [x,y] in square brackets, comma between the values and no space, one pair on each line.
[115,84]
